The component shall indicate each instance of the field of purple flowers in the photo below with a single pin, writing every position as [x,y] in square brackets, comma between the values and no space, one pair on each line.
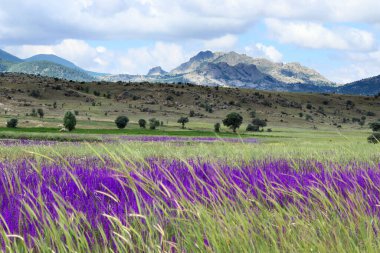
[188,205]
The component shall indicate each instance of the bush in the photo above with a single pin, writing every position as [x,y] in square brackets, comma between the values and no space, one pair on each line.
[142,123]
[183,121]
[259,122]
[252,114]
[153,123]
[375,126]
[41,113]
[374,138]
[217,127]
[12,123]
[121,122]
[252,128]
[69,121]
[371,114]
[233,121]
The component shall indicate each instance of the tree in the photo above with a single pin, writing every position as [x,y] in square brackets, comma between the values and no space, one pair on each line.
[153,123]
[375,126]
[41,113]
[233,121]
[142,123]
[121,122]
[183,121]
[217,127]
[259,122]
[69,121]
[252,128]
[34,113]
[374,138]
[12,123]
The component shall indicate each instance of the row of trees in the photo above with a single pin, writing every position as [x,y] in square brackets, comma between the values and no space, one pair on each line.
[232,120]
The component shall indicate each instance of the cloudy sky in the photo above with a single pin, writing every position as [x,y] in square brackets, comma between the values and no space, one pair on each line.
[339,38]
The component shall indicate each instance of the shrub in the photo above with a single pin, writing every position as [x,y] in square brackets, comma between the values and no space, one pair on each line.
[153,123]
[233,121]
[34,113]
[375,126]
[371,114]
[12,123]
[69,121]
[142,123]
[76,113]
[41,113]
[121,122]
[309,106]
[183,121]
[309,117]
[217,127]
[192,113]
[259,122]
[252,114]
[374,138]
[35,94]
[252,128]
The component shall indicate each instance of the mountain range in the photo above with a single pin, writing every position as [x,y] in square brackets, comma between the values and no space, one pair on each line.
[206,68]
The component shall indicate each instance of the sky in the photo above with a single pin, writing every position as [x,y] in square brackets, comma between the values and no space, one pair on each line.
[338,38]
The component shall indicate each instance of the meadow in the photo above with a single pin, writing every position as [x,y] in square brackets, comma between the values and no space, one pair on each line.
[290,190]
[310,184]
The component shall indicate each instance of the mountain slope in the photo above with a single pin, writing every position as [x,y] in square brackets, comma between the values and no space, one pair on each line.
[368,86]
[291,73]
[157,71]
[51,58]
[46,68]
[8,57]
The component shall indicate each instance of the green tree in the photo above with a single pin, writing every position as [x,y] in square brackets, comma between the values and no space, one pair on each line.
[142,123]
[217,127]
[12,123]
[69,121]
[259,122]
[121,122]
[233,121]
[375,126]
[153,123]
[41,112]
[183,121]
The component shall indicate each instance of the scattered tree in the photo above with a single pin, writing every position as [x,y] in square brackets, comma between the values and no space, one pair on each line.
[233,121]
[183,121]
[259,122]
[153,123]
[69,121]
[375,126]
[217,127]
[41,113]
[142,123]
[252,128]
[12,123]
[121,122]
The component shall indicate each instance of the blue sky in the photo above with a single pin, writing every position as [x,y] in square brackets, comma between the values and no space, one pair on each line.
[339,38]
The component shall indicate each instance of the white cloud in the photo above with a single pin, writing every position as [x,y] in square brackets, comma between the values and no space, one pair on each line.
[315,35]
[43,22]
[261,50]
[223,43]
[359,66]
[77,51]
[140,60]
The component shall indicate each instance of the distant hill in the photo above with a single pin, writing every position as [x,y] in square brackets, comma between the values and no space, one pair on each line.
[8,57]
[50,69]
[368,86]
[237,70]
[51,58]
[205,68]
